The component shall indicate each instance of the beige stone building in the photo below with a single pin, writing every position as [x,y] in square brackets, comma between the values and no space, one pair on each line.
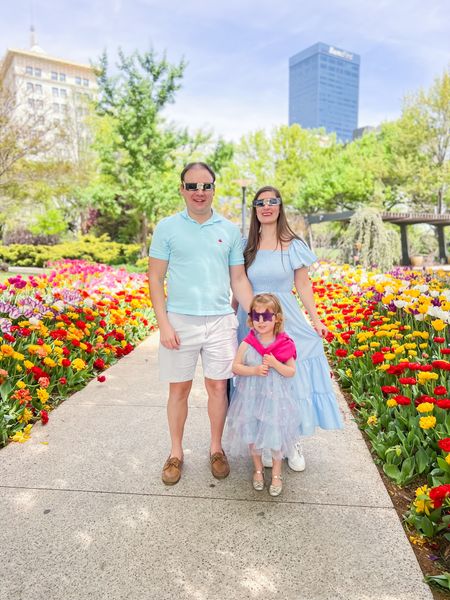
[52,90]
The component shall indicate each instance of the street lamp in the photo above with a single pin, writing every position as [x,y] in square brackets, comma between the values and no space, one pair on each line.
[244,183]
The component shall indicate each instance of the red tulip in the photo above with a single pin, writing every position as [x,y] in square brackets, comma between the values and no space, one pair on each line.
[403,400]
[440,390]
[444,444]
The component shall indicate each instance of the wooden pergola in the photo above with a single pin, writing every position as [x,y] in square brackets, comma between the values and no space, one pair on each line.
[400,219]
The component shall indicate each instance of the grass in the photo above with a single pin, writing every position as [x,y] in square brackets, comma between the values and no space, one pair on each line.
[4,275]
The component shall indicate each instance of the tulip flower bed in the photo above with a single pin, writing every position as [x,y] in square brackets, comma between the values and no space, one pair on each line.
[59,330]
[390,346]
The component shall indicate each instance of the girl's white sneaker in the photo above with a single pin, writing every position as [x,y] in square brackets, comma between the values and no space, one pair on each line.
[296,460]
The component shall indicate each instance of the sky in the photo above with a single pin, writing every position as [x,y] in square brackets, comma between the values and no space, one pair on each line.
[237,51]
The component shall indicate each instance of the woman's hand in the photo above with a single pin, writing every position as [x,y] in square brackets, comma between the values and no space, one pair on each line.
[320,328]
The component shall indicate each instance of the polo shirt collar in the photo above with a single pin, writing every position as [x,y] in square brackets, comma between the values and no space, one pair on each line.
[214,218]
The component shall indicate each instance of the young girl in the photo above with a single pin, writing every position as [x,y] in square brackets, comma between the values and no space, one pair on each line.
[263,413]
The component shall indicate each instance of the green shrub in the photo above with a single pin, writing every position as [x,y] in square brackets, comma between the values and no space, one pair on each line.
[89,248]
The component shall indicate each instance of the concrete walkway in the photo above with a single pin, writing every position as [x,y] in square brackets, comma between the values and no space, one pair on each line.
[83,512]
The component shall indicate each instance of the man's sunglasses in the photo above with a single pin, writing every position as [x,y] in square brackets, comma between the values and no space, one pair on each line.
[267,315]
[193,187]
[260,202]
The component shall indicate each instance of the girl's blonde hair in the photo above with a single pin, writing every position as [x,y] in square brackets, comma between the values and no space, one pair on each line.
[272,301]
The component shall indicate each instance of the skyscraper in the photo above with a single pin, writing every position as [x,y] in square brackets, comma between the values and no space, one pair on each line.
[324,89]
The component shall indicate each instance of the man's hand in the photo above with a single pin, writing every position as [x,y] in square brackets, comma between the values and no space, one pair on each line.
[169,337]
[262,370]
[269,360]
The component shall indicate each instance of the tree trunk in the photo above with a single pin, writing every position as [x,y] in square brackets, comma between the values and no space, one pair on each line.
[440,202]
[143,235]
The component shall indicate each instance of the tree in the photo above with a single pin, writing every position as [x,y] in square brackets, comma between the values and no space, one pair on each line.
[29,167]
[368,242]
[137,148]
[282,158]
[423,142]
[221,156]
[25,135]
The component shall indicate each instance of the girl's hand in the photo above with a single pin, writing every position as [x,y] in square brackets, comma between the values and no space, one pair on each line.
[262,370]
[269,360]
[320,328]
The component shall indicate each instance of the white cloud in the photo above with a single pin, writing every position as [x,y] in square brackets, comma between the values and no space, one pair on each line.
[238,51]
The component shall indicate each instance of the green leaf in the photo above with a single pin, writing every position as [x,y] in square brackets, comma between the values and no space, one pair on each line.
[440,580]
[407,470]
[392,472]
[5,390]
[427,526]
[443,464]
[422,460]
[401,435]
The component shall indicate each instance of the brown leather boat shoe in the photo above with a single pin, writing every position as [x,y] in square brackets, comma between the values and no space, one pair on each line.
[171,472]
[219,465]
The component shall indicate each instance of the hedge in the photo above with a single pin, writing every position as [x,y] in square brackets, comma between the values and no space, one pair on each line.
[86,248]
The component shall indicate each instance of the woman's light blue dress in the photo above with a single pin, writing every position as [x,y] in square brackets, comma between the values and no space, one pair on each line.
[262,412]
[273,272]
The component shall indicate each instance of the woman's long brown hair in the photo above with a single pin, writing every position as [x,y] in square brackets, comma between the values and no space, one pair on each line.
[284,233]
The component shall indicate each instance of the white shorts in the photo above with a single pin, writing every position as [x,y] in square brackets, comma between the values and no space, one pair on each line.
[214,338]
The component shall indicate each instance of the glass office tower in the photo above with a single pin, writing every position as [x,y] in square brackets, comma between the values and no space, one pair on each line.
[324,89]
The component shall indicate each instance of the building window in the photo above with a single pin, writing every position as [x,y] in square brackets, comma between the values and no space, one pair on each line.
[30,87]
[38,88]
[63,93]
[29,70]
[86,82]
[55,106]
[78,80]
[55,91]
[31,102]
[39,104]
[38,72]
[62,76]
[54,76]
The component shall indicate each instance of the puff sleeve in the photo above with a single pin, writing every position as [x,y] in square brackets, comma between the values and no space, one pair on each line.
[300,255]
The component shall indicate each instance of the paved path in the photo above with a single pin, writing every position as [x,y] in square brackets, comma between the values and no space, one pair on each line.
[83,512]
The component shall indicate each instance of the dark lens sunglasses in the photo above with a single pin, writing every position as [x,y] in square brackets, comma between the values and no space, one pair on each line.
[193,187]
[260,202]
[267,315]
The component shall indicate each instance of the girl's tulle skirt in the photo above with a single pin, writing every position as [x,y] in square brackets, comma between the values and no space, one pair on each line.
[262,415]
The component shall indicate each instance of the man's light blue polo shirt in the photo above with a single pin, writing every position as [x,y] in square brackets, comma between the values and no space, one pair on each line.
[199,257]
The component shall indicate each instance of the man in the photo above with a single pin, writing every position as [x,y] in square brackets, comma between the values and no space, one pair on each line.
[201,251]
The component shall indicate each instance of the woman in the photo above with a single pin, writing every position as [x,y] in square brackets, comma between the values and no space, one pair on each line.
[275,260]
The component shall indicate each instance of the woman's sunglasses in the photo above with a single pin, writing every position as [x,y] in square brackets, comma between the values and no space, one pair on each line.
[260,202]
